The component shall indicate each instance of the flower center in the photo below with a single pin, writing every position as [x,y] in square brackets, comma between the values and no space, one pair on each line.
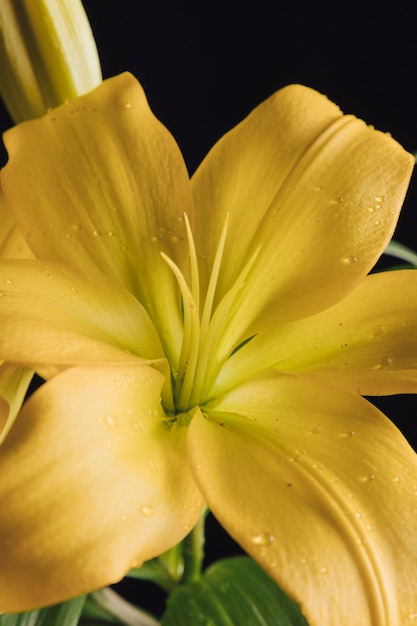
[200,328]
[204,328]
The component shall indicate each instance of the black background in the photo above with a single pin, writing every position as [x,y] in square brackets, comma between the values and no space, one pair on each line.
[205,66]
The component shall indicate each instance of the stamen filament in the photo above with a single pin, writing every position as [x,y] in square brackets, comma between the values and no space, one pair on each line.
[214,350]
[195,280]
[214,275]
[187,363]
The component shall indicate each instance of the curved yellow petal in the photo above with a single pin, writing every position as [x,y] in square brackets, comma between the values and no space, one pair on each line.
[321,489]
[14,382]
[12,243]
[365,344]
[51,315]
[314,194]
[92,482]
[99,183]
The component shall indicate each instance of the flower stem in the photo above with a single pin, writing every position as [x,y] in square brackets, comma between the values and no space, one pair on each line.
[125,612]
[193,552]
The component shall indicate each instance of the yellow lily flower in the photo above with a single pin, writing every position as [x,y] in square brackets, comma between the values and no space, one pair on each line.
[207,343]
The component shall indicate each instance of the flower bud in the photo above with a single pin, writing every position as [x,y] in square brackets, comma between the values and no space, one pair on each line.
[47,55]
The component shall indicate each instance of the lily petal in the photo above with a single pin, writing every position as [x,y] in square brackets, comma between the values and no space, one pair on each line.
[99,183]
[91,482]
[365,344]
[12,242]
[314,194]
[320,488]
[14,382]
[51,315]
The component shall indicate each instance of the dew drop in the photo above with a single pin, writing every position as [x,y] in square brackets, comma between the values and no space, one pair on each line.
[110,421]
[368,478]
[385,362]
[379,198]
[324,570]
[3,293]
[262,539]
[129,105]
[315,430]
[380,330]
[111,233]
[146,510]
[349,260]
[349,433]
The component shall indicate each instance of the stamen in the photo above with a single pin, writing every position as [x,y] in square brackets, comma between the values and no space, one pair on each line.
[206,344]
[211,289]
[195,280]
[214,350]
[190,343]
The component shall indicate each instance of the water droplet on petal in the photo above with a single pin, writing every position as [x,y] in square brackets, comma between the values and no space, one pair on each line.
[110,421]
[146,510]
[368,478]
[262,539]
[385,362]
[349,433]
[349,260]
[380,330]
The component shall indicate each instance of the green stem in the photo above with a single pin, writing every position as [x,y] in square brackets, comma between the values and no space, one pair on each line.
[125,612]
[193,552]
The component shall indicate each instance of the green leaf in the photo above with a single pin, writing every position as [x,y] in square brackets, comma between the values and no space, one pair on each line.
[65,614]
[232,592]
